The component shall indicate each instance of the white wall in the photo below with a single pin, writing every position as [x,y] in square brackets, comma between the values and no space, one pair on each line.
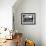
[6,13]
[30,31]
[43,22]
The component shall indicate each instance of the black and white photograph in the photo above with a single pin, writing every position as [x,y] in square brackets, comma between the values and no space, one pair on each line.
[28,18]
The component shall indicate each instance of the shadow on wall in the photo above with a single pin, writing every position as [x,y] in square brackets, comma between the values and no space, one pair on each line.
[17,4]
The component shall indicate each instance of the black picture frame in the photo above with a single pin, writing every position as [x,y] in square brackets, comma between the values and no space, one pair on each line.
[28,18]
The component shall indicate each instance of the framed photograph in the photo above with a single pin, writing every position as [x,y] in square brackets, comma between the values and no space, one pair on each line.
[28,18]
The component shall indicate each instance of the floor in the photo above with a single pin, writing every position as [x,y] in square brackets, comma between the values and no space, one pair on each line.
[13,41]
[9,43]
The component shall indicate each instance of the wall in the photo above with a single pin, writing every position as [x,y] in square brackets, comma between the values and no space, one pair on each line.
[6,13]
[29,31]
[43,22]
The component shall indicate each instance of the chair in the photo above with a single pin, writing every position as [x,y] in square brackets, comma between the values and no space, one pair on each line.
[29,43]
[18,39]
